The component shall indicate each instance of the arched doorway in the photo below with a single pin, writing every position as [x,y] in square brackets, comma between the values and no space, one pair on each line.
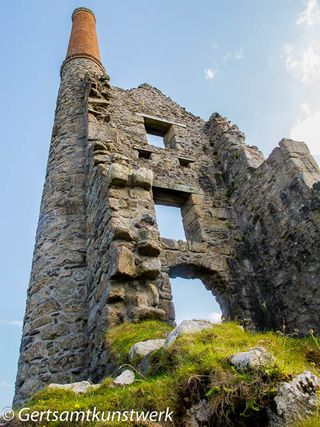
[197,293]
[192,300]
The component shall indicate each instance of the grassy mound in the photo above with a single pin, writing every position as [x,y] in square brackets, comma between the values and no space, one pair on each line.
[121,338]
[194,367]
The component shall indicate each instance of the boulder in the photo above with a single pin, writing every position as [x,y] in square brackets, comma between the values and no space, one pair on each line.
[127,377]
[141,349]
[252,359]
[295,400]
[78,387]
[186,327]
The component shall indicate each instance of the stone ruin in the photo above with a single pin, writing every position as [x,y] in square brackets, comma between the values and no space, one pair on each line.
[251,225]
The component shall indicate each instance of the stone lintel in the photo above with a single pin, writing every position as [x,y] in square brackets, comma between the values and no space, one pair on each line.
[161,120]
[177,187]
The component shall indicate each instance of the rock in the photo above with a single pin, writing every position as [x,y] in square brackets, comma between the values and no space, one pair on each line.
[143,178]
[123,263]
[198,414]
[141,349]
[150,268]
[252,359]
[186,327]
[78,388]
[149,248]
[126,378]
[155,294]
[118,174]
[144,312]
[295,400]
[145,367]
[116,294]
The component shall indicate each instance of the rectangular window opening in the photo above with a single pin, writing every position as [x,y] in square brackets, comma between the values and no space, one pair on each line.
[144,154]
[185,162]
[168,206]
[156,140]
[156,131]
[169,221]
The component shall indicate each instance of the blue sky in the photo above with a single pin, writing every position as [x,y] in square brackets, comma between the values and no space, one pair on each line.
[256,62]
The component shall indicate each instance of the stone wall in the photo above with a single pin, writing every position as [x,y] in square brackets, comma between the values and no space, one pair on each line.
[54,342]
[276,202]
[251,226]
[129,263]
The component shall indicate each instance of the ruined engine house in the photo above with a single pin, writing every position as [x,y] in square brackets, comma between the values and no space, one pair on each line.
[251,225]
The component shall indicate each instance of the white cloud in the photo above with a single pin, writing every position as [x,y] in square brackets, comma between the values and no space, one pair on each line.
[215,317]
[302,59]
[307,129]
[238,55]
[304,62]
[11,322]
[310,16]
[209,73]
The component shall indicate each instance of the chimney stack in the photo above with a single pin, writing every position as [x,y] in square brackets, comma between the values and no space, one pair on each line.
[83,40]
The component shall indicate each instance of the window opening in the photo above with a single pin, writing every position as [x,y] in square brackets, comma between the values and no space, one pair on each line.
[156,131]
[185,162]
[192,300]
[169,221]
[144,154]
[156,140]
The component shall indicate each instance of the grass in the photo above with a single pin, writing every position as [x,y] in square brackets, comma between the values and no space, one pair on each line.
[309,422]
[195,367]
[121,338]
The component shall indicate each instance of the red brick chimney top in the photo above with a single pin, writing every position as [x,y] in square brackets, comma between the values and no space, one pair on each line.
[83,40]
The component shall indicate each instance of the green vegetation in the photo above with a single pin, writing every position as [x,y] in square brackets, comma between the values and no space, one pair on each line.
[194,367]
[310,422]
[121,338]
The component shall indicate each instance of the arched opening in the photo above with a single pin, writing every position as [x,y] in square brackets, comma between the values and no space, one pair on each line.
[197,294]
[193,301]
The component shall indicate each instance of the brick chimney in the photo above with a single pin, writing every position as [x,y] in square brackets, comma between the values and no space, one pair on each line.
[83,38]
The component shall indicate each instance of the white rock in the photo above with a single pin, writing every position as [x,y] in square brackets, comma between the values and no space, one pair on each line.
[296,399]
[252,359]
[78,388]
[187,327]
[141,349]
[126,378]
[198,414]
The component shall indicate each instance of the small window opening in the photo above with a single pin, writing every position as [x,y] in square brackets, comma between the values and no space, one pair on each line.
[156,131]
[144,154]
[169,221]
[156,140]
[184,162]
[193,301]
